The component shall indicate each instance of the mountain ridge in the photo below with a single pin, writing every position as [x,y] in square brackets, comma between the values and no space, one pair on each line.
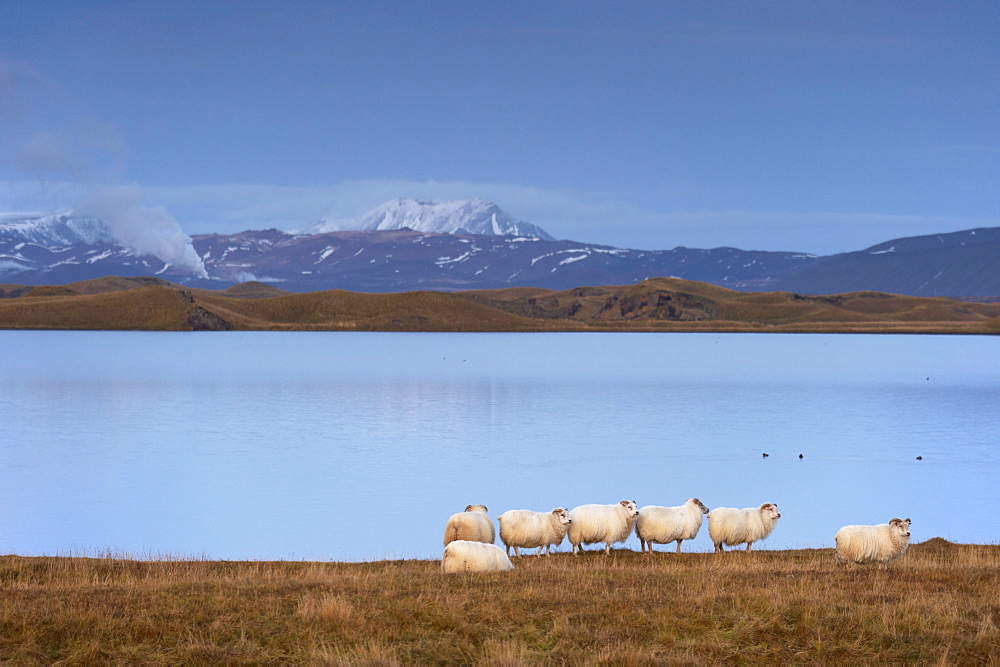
[74,248]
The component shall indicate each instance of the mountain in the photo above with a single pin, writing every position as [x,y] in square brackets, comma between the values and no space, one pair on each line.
[958,264]
[64,248]
[402,260]
[437,217]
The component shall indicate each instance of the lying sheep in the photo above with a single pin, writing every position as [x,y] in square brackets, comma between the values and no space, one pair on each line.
[730,526]
[873,544]
[473,524]
[663,525]
[601,523]
[524,529]
[469,556]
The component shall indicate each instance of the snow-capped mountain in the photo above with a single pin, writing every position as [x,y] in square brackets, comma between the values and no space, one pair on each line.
[65,247]
[54,230]
[438,217]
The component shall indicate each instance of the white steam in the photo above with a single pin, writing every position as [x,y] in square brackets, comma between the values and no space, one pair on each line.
[145,231]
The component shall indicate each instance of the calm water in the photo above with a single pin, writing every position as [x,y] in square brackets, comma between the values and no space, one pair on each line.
[357,446]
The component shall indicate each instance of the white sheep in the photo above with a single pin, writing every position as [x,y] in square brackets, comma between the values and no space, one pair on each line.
[601,523]
[473,524]
[470,556]
[524,529]
[663,525]
[873,544]
[730,526]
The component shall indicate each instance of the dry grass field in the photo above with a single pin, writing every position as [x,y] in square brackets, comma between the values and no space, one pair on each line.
[939,604]
[659,304]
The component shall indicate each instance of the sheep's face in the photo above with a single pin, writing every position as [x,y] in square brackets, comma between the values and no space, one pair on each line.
[563,515]
[770,511]
[697,503]
[476,508]
[630,505]
[901,527]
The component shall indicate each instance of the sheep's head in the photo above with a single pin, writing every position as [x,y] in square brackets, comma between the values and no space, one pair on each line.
[630,505]
[476,508]
[770,510]
[563,515]
[697,503]
[901,527]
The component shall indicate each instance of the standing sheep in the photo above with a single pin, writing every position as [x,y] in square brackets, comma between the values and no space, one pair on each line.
[468,556]
[601,523]
[473,524]
[873,544]
[526,529]
[730,526]
[664,525]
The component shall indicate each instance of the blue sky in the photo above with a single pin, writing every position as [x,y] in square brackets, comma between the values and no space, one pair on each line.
[810,126]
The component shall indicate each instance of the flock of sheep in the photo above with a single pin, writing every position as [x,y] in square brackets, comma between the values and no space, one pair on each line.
[469,536]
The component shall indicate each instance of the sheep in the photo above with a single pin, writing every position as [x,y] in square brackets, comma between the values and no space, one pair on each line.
[664,525]
[526,529]
[730,526]
[601,523]
[873,544]
[472,524]
[471,556]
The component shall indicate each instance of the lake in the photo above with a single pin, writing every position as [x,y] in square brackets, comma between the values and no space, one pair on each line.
[358,446]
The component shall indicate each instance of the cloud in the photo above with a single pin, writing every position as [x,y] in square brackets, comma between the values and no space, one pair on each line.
[47,139]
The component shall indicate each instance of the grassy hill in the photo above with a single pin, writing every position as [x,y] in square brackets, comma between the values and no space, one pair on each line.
[660,304]
[936,605]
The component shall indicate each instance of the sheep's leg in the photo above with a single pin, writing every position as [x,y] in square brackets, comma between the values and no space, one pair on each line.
[748,546]
[607,548]
[718,547]
[679,545]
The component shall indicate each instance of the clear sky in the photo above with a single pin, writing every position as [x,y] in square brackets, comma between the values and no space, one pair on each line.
[810,126]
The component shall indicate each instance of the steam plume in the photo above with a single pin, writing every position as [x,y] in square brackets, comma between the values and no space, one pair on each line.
[145,231]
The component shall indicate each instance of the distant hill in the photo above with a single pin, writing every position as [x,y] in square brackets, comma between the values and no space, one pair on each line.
[959,264]
[474,245]
[661,304]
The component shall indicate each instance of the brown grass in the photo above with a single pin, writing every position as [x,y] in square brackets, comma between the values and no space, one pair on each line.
[660,304]
[939,603]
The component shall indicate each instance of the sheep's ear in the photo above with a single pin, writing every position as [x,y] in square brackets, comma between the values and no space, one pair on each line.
[908,522]
[468,508]
[624,503]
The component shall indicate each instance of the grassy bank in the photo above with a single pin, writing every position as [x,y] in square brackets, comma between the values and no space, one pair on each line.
[939,603]
[655,305]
